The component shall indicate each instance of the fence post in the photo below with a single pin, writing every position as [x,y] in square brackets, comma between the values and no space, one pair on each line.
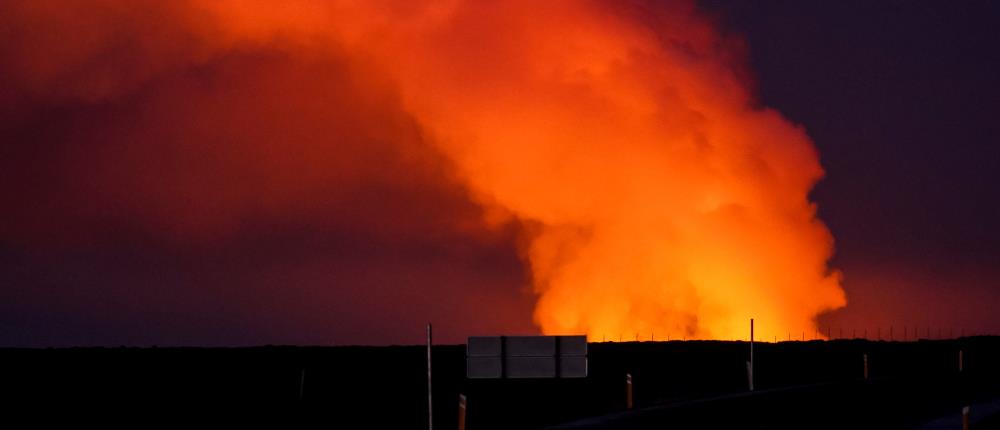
[302,384]
[628,391]
[866,366]
[461,411]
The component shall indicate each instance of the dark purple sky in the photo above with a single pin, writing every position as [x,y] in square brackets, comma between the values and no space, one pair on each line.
[900,97]
[902,100]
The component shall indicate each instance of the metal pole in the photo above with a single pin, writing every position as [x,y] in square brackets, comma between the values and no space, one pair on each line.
[430,401]
[750,369]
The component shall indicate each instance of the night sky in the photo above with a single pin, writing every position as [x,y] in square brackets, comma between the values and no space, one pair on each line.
[173,241]
[901,99]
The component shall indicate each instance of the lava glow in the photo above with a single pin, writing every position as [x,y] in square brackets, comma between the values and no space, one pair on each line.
[658,196]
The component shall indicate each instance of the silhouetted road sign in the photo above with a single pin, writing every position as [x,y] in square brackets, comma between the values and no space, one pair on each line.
[500,357]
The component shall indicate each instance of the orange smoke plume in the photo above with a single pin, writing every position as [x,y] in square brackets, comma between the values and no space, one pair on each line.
[664,199]
[660,197]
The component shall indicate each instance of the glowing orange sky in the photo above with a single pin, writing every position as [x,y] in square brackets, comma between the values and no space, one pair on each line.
[657,195]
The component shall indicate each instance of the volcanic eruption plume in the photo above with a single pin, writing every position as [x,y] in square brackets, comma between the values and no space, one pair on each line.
[655,194]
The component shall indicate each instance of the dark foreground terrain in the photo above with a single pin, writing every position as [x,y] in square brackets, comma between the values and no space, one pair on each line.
[815,384]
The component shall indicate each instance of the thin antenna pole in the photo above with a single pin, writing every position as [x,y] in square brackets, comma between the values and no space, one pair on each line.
[430,400]
[751,355]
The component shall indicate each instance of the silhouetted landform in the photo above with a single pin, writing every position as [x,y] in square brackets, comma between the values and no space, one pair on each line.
[677,384]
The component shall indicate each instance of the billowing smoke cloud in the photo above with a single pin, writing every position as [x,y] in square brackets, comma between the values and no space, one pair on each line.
[620,144]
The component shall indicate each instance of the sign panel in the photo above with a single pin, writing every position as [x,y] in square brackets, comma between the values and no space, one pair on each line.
[483,347]
[484,367]
[502,357]
[529,346]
